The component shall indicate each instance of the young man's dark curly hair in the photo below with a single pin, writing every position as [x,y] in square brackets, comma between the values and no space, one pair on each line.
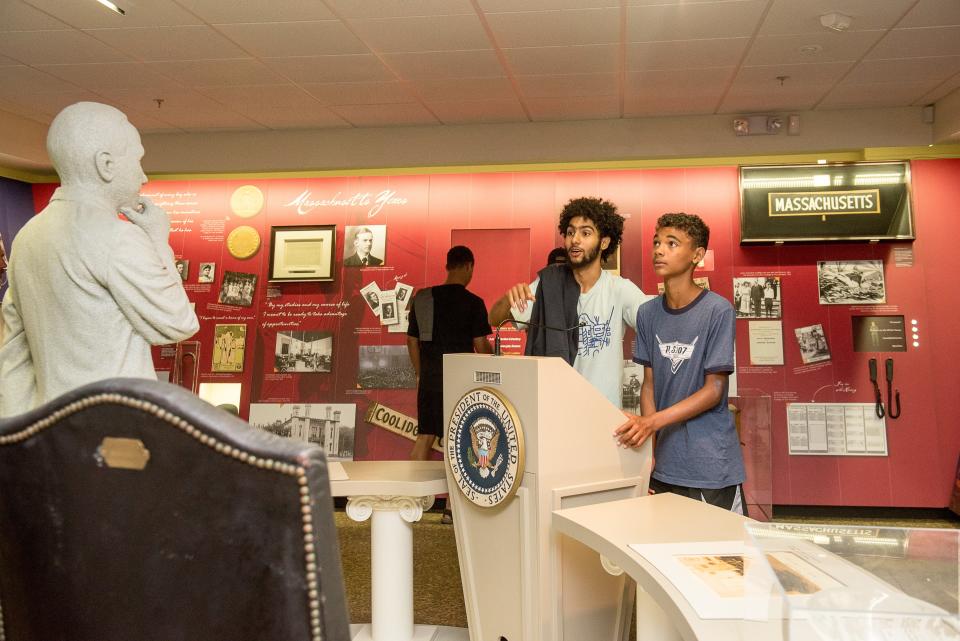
[692,224]
[601,213]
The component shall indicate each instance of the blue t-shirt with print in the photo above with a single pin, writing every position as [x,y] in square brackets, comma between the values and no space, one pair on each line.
[682,346]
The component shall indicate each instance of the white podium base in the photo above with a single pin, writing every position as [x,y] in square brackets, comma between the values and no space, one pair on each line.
[363,631]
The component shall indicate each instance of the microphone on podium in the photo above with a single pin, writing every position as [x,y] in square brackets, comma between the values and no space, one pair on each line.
[496,337]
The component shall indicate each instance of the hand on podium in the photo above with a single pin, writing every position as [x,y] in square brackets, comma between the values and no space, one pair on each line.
[634,431]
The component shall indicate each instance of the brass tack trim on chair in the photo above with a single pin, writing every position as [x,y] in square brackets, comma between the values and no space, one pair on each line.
[228,450]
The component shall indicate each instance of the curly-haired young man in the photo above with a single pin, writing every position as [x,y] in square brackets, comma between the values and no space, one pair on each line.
[580,293]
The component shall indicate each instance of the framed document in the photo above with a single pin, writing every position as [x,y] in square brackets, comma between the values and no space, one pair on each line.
[302,253]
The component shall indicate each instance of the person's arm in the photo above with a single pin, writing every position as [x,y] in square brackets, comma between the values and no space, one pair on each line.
[482,346]
[515,298]
[639,428]
[413,349]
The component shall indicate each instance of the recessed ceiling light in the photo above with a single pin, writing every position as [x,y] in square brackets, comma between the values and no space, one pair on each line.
[810,50]
[112,7]
[836,21]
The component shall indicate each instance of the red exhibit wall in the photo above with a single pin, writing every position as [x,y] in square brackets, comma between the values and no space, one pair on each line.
[426,213]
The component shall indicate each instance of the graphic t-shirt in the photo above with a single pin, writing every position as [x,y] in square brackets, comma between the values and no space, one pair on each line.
[682,346]
[603,311]
[459,316]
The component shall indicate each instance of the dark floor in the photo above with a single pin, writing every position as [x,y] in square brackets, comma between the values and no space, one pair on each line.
[438,594]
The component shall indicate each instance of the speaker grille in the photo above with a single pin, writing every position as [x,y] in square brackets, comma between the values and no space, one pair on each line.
[486,378]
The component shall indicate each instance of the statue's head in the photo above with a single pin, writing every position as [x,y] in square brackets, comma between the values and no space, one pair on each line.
[94,145]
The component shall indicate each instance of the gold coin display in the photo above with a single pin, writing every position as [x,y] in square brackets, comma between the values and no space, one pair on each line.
[243,242]
[246,201]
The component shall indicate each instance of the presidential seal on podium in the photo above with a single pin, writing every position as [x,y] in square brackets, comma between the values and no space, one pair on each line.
[484,447]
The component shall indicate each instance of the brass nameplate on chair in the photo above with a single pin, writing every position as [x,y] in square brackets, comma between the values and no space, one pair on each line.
[124,453]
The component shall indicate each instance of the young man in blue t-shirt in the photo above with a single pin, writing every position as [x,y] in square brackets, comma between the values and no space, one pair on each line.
[685,342]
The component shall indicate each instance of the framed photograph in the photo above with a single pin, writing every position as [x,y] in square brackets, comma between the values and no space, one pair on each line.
[303,352]
[229,343]
[208,272]
[237,289]
[329,425]
[183,268]
[302,253]
[843,201]
[364,245]
[813,343]
[757,297]
[612,262]
[851,282]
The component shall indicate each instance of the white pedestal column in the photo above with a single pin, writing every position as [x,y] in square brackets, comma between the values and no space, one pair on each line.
[391,560]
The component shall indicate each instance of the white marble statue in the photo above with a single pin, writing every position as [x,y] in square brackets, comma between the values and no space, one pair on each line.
[89,292]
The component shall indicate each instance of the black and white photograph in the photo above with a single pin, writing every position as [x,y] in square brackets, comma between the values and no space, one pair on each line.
[237,289]
[208,272]
[385,367]
[330,425]
[371,296]
[183,268]
[303,352]
[813,343]
[229,344]
[388,308]
[404,294]
[630,383]
[851,282]
[364,245]
[757,297]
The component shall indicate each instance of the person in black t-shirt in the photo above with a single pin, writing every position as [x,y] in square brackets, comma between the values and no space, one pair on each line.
[444,319]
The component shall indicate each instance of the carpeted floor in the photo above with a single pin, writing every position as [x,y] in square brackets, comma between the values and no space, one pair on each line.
[438,593]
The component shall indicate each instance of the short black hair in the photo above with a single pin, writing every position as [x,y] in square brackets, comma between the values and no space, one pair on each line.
[557,255]
[601,213]
[692,224]
[459,256]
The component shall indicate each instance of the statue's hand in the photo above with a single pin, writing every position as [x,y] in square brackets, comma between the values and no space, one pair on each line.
[150,218]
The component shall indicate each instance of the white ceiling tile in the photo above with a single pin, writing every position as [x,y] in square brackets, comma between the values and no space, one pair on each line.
[680,82]
[170,43]
[766,76]
[139,13]
[27,80]
[324,69]
[886,94]
[942,90]
[933,13]
[556,28]
[52,103]
[464,89]
[573,85]
[445,64]
[56,47]
[186,109]
[277,106]
[385,115]
[283,39]
[110,75]
[647,3]
[148,125]
[685,54]
[769,50]
[220,12]
[746,99]
[507,6]
[24,110]
[918,42]
[660,104]
[935,70]
[434,33]
[211,73]
[7,62]
[693,21]
[19,16]
[563,60]
[585,108]
[360,93]
[803,16]
[460,112]
[400,8]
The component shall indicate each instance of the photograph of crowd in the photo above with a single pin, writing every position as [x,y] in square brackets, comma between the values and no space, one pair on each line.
[757,297]
[330,425]
[303,352]
[385,367]
[237,289]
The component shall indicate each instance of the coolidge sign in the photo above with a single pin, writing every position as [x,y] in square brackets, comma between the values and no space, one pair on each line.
[857,201]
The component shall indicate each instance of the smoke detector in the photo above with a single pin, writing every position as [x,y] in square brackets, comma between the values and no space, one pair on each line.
[836,21]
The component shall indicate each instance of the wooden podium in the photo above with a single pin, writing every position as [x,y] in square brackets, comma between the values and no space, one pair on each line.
[522,580]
